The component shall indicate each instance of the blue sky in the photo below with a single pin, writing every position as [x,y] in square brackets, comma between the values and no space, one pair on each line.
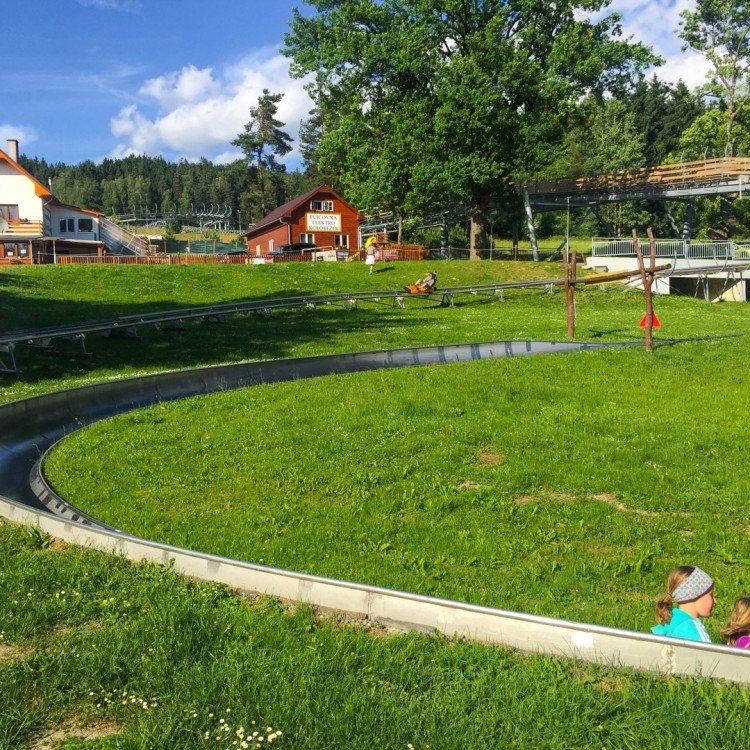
[89,79]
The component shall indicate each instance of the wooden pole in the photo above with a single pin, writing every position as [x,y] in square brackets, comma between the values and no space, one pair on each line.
[647,278]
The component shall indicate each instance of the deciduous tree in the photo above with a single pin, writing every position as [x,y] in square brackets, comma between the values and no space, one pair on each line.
[720,31]
[432,101]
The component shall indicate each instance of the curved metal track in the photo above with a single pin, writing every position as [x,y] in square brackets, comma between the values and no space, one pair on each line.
[28,428]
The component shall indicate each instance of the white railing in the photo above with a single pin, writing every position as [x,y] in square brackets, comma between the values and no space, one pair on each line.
[621,247]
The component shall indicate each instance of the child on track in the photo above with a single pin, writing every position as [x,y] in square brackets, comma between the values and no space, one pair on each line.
[738,629]
[692,591]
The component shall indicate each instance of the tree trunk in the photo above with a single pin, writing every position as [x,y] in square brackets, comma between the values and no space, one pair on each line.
[478,220]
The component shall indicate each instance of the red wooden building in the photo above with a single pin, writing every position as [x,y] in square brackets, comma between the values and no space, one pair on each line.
[321,217]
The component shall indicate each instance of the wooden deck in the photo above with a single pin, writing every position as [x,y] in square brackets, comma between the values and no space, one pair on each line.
[686,174]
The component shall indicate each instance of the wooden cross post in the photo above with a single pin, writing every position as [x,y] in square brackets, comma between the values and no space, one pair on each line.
[647,278]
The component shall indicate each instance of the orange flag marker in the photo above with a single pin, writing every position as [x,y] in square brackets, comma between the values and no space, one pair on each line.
[655,322]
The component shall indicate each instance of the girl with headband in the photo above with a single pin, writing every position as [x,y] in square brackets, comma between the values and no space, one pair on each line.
[691,596]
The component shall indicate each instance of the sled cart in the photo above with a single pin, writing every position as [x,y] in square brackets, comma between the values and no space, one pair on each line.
[427,285]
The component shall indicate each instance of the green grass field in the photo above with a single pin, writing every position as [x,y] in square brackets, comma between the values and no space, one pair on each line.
[565,485]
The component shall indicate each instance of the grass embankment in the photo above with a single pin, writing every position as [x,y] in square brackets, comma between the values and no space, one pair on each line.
[137,657]
[32,297]
[565,485]
[44,295]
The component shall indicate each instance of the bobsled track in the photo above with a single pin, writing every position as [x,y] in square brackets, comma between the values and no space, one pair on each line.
[28,428]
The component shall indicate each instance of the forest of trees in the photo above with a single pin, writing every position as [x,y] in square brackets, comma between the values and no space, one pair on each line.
[417,110]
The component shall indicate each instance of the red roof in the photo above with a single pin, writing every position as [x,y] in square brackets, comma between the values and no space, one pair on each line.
[285,211]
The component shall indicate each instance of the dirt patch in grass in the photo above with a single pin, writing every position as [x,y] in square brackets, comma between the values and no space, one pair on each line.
[64,629]
[75,729]
[13,653]
[58,545]
[561,497]
[469,485]
[488,457]
[612,684]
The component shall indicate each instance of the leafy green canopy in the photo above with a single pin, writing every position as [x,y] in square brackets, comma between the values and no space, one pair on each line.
[720,31]
[428,102]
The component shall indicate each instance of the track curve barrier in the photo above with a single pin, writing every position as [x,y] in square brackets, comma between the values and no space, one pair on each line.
[28,428]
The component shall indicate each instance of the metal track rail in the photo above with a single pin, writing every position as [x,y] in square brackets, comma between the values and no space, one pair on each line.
[252,306]
[28,428]
[345,299]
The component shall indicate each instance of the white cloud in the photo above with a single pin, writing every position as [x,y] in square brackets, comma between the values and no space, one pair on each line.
[656,23]
[202,111]
[227,157]
[690,67]
[24,134]
[127,6]
[175,89]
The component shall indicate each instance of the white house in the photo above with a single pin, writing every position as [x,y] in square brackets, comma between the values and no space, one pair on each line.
[37,228]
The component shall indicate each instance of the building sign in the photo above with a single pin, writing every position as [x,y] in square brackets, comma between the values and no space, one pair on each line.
[323,222]
[326,255]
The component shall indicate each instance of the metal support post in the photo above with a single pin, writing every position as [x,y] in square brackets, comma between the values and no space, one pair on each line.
[672,221]
[444,236]
[687,227]
[570,232]
[603,221]
[8,349]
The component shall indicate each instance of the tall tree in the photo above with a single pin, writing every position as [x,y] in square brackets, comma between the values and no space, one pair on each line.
[662,113]
[263,142]
[451,100]
[615,143]
[720,31]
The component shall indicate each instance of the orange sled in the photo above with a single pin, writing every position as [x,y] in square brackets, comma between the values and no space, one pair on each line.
[427,285]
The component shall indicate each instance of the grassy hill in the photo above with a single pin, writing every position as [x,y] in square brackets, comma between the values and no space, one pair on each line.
[563,485]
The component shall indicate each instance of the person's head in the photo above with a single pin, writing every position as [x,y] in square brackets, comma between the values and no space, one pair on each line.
[739,621]
[690,589]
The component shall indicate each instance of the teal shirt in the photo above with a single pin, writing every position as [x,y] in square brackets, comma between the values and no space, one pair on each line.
[684,626]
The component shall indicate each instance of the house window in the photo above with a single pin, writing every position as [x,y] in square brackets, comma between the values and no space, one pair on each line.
[341,240]
[67,225]
[23,249]
[10,249]
[307,238]
[85,225]
[321,205]
[8,212]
